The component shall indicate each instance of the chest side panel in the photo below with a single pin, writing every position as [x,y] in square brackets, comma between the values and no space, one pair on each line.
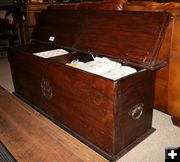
[134,92]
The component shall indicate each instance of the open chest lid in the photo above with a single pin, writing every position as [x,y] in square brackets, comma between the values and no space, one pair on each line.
[59,27]
[134,37]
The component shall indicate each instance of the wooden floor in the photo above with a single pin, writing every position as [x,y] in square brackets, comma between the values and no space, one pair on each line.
[29,136]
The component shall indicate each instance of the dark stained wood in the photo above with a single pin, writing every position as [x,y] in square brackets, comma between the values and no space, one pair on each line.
[81,96]
[167,91]
[175,120]
[128,95]
[29,136]
[23,80]
[166,98]
[31,10]
[110,116]
[137,39]
[65,29]
[131,36]
[97,109]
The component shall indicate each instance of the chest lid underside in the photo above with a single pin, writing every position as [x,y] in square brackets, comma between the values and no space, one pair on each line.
[135,37]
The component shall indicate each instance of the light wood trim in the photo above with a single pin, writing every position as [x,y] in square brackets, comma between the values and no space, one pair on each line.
[173,8]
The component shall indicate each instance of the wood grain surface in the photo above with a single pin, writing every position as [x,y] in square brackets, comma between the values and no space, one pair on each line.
[133,36]
[29,136]
[174,75]
[167,91]
[94,108]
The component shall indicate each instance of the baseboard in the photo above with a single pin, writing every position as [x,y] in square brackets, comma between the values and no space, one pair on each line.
[176,121]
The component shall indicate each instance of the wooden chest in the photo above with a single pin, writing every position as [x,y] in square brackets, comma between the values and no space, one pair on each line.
[110,116]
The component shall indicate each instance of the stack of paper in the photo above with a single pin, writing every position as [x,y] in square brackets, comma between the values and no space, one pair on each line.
[104,67]
[51,53]
[99,65]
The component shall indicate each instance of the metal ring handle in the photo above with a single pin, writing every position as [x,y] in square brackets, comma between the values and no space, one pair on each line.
[136,111]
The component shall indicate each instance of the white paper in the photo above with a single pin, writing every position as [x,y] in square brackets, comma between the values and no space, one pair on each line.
[106,68]
[51,53]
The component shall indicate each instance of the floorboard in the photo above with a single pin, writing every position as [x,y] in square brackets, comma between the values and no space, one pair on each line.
[29,136]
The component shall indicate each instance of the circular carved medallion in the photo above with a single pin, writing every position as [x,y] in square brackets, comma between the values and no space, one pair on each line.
[46,88]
